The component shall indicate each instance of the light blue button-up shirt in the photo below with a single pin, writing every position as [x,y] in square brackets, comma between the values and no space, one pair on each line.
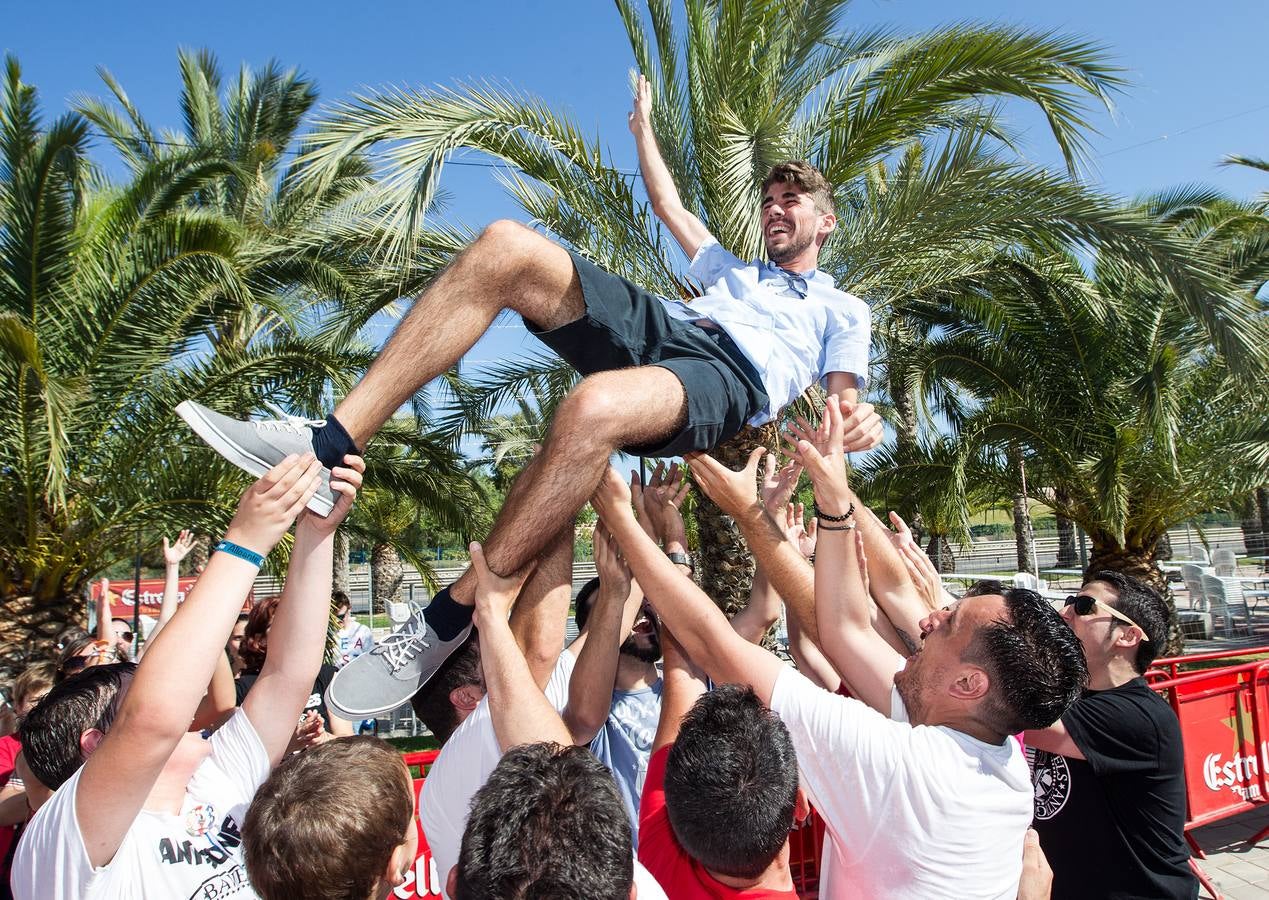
[795,329]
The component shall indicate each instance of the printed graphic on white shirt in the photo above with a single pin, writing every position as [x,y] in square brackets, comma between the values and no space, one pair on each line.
[1052,778]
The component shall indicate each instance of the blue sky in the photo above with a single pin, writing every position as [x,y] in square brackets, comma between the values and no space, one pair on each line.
[1196,71]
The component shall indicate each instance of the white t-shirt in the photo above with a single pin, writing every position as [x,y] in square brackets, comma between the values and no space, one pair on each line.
[194,856]
[465,764]
[912,811]
[354,640]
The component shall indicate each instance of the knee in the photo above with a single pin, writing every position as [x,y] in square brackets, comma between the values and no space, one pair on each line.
[593,409]
[507,240]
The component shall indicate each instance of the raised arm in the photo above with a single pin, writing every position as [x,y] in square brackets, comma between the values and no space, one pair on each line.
[173,677]
[297,636]
[842,603]
[520,712]
[681,686]
[699,625]
[688,230]
[173,553]
[617,605]
[540,612]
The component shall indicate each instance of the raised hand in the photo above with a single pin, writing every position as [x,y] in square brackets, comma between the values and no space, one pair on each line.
[611,498]
[345,481]
[662,499]
[777,485]
[176,551]
[820,450]
[861,427]
[270,505]
[640,118]
[495,594]
[801,532]
[918,563]
[614,574]
[733,491]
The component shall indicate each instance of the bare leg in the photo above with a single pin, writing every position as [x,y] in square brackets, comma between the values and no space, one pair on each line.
[605,411]
[507,267]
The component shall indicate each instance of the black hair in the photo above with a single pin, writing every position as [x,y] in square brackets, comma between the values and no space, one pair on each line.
[1145,606]
[339,599]
[549,823]
[984,587]
[585,602]
[50,732]
[731,783]
[1034,662]
[431,702]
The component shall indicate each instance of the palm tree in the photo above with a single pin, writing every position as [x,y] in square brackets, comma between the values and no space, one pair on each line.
[1118,396]
[739,86]
[105,294]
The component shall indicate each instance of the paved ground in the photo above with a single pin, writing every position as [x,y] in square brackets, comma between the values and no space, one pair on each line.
[1240,870]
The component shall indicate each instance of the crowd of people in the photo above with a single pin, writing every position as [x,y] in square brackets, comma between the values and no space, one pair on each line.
[664,752]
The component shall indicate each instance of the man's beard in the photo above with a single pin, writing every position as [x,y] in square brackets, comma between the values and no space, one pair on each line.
[792,250]
[648,652]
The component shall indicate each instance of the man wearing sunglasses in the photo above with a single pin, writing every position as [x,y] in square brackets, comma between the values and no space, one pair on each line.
[1109,785]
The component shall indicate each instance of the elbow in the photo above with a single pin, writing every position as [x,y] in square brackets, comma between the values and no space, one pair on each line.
[581,729]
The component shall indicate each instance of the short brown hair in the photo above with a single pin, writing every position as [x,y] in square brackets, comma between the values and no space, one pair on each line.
[431,703]
[805,176]
[35,678]
[325,823]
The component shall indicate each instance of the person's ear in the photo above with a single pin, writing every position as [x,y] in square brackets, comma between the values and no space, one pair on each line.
[828,222]
[466,697]
[451,882]
[89,741]
[971,684]
[801,807]
[1129,637]
[398,867]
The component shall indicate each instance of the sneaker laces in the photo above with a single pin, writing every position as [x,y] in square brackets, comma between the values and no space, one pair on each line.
[402,645]
[287,422]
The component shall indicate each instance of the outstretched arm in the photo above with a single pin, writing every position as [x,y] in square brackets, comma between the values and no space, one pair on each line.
[617,604]
[699,625]
[681,686]
[688,230]
[842,603]
[520,712]
[174,675]
[173,553]
[297,636]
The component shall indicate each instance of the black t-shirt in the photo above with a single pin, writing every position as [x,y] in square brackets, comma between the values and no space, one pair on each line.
[316,700]
[1112,824]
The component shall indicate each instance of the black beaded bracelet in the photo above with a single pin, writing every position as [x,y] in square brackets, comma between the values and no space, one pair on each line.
[825,517]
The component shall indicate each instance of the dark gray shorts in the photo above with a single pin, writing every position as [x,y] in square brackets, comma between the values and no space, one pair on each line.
[626,326]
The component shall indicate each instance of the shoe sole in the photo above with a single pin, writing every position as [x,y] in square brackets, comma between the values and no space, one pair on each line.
[252,465]
[356,714]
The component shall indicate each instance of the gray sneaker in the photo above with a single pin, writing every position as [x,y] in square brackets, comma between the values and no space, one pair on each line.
[388,675]
[257,447]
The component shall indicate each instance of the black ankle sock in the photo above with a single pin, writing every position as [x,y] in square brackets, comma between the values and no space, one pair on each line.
[446,616]
[331,443]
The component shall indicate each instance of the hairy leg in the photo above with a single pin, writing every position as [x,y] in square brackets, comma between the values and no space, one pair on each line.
[605,411]
[507,267]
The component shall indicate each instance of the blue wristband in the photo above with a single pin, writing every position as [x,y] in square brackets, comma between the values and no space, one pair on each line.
[239,551]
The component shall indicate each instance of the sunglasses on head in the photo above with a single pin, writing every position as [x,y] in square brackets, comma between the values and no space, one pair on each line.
[1084,605]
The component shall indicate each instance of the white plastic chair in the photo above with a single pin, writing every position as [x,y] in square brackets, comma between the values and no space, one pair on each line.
[1225,596]
[1225,562]
[398,612]
[1028,581]
[1193,578]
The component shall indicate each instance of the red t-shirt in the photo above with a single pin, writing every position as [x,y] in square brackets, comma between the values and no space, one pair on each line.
[10,747]
[682,877]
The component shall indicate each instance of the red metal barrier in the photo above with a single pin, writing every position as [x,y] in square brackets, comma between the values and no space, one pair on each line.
[1170,666]
[423,880]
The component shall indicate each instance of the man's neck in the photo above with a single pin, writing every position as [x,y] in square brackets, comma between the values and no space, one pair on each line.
[633,673]
[805,262]
[776,877]
[1116,673]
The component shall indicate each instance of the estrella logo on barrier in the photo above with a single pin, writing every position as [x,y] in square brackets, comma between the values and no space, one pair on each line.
[421,882]
[1236,772]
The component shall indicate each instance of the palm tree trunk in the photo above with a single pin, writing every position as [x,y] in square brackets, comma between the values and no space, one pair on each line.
[1142,564]
[29,626]
[1067,554]
[386,574]
[1262,507]
[199,554]
[906,435]
[1252,525]
[940,553]
[340,577]
[1023,532]
[724,565]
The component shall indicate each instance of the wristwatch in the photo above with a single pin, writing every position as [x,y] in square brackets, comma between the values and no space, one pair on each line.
[681,559]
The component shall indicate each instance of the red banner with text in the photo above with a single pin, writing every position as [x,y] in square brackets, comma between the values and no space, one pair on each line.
[123,596]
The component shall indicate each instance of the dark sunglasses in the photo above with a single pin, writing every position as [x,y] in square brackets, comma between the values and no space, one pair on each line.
[1084,605]
[125,636]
